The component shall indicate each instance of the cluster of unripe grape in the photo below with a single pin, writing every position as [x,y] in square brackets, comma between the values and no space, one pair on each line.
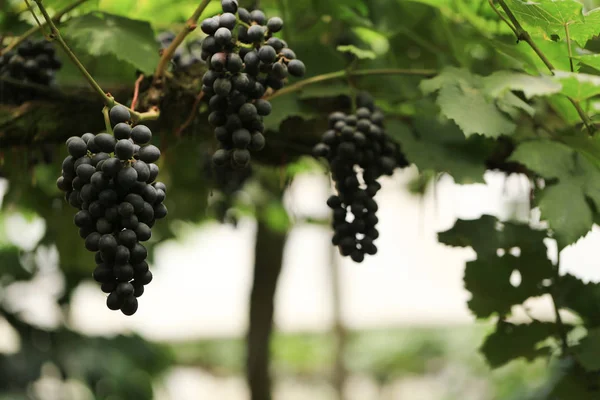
[186,55]
[111,181]
[245,60]
[359,152]
[31,62]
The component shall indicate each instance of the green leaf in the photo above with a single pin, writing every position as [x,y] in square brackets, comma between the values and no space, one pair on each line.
[379,43]
[10,263]
[564,204]
[551,16]
[101,34]
[511,341]
[587,351]
[485,105]
[591,60]
[358,53]
[578,86]
[489,277]
[581,298]
[442,147]
[500,82]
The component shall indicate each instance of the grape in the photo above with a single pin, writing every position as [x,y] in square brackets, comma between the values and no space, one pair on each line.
[122,131]
[209,26]
[105,142]
[296,68]
[77,147]
[275,24]
[352,150]
[141,134]
[229,6]
[124,149]
[223,36]
[119,114]
[149,153]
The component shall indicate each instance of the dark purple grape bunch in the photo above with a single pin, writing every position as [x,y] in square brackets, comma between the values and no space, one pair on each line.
[244,60]
[359,152]
[31,62]
[111,180]
[186,55]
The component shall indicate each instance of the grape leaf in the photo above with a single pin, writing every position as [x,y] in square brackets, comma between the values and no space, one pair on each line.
[484,105]
[591,60]
[101,34]
[551,16]
[488,277]
[361,54]
[499,82]
[578,86]
[509,342]
[582,298]
[587,351]
[564,204]
[442,147]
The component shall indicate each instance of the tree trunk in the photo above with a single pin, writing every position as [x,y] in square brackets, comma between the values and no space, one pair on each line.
[339,330]
[267,266]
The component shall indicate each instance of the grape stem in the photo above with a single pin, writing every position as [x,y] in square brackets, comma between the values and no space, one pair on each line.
[34,29]
[108,100]
[55,34]
[344,73]
[190,118]
[106,113]
[523,35]
[136,91]
[167,55]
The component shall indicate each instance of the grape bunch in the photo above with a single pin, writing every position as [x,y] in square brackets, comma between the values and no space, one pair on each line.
[186,55]
[111,180]
[245,60]
[228,182]
[31,62]
[359,152]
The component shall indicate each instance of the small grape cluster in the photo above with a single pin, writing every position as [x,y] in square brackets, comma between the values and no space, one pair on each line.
[186,55]
[31,62]
[228,181]
[111,181]
[244,60]
[359,152]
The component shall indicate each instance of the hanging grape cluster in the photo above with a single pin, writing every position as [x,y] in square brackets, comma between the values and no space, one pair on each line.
[359,152]
[186,55]
[245,60]
[111,180]
[31,62]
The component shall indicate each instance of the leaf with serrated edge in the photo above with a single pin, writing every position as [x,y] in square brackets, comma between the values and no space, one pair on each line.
[578,86]
[511,341]
[563,204]
[100,34]
[531,86]
[442,147]
[361,54]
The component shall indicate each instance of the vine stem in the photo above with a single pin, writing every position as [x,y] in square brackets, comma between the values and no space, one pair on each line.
[136,91]
[167,55]
[344,73]
[108,101]
[523,35]
[568,37]
[562,333]
[34,29]
[190,118]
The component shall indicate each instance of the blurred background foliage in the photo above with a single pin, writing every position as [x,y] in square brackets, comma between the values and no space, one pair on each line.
[408,34]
